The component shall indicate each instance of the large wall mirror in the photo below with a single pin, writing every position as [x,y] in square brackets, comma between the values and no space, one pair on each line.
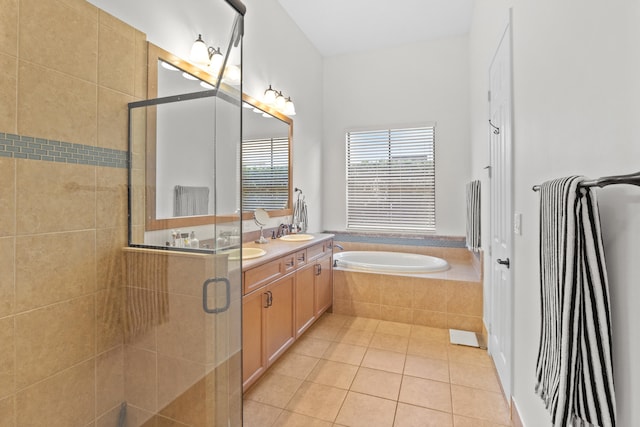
[179,154]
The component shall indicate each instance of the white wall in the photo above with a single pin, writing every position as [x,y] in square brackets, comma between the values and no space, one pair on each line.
[576,85]
[408,85]
[275,52]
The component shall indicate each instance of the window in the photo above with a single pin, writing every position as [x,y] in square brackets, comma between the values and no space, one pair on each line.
[265,173]
[391,180]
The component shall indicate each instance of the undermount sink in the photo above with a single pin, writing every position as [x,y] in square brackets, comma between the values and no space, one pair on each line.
[296,237]
[247,253]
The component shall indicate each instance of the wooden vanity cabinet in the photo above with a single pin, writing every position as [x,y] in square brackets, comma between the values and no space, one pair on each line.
[267,326]
[282,298]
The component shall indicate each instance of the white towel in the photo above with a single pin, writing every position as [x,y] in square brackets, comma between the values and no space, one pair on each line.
[574,368]
[473,215]
[189,201]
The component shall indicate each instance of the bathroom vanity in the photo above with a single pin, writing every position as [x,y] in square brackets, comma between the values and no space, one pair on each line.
[284,292]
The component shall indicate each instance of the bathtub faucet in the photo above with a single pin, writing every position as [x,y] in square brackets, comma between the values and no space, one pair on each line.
[335,245]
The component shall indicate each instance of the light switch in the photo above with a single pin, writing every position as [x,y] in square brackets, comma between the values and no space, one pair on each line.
[517,224]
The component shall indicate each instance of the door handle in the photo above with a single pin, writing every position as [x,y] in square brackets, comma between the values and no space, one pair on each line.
[205,295]
[504,262]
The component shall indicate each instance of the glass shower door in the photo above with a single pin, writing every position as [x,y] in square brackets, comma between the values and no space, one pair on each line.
[181,300]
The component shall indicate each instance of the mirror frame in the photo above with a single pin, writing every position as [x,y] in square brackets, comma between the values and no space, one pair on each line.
[155,53]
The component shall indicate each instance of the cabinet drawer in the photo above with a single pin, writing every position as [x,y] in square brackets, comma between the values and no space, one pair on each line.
[289,262]
[261,275]
[301,258]
[316,251]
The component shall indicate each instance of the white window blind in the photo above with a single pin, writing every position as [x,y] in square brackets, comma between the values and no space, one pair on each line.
[391,180]
[265,173]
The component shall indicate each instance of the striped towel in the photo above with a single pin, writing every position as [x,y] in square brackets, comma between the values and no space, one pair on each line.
[574,367]
[189,201]
[473,216]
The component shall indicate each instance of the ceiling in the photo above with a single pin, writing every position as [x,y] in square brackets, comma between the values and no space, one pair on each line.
[347,26]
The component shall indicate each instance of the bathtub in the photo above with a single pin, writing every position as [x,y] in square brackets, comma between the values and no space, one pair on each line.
[389,262]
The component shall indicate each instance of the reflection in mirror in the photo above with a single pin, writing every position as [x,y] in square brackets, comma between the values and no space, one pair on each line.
[180,168]
[266,158]
[261,218]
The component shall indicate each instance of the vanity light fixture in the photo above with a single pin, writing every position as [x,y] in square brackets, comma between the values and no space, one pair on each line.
[277,100]
[289,108]
[206,56]
[279,103]
[269,96]
[200,52]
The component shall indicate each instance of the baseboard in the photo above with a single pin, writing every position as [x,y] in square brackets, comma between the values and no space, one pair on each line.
[515,415]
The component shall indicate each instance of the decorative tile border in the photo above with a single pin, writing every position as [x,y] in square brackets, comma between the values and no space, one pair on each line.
[27,147]
[434,241]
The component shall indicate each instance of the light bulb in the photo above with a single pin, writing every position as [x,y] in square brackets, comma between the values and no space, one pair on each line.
[269,96]
[216,61]
[199,52]
[280,101]
[289,108]
[232,75]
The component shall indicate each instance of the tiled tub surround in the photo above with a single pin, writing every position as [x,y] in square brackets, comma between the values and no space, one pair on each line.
[67,72]
[449,299]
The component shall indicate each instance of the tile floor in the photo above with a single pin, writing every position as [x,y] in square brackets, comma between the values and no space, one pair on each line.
[354,371]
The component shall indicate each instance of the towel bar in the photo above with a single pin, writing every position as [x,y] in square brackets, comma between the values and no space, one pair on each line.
[632,179]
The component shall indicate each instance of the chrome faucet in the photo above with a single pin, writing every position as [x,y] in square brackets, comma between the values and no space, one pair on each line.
[335,245]
[282,230]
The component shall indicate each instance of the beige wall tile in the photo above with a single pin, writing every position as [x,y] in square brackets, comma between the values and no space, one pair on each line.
[464,323]
[140,378]
[110,261]
[140,80]
[397,291]
[59,37]
[183,335]
[365,309]
[8,90]
[342,306]
[109,323]
[65,203]
[8,197]
[396,314]
[56,106]
[54,267]
[113,116]
[66,399]
[434,319]
[54,338]
[7,277]
[7,412]
[430,294]
[7,357]
[9,27]
[464,298]
[116,58]
[175,378]
[109,380]
[111,197]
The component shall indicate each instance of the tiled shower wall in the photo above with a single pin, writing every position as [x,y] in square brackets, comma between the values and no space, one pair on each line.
[67,72]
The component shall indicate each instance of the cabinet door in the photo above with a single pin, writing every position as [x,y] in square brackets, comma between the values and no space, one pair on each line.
[305,307]
[253,357]
[279,317]
[323,285]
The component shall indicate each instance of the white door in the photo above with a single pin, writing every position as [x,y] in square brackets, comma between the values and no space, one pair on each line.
[501,259]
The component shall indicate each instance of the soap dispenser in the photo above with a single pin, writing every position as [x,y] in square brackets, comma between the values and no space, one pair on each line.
[195,243]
